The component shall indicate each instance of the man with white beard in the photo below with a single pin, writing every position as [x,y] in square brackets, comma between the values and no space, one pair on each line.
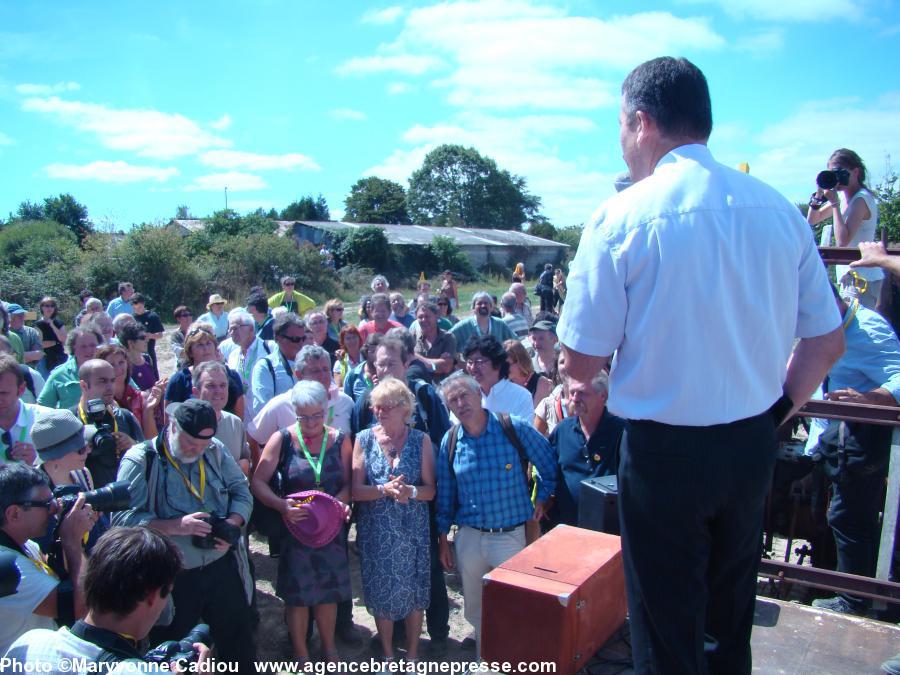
[182,483]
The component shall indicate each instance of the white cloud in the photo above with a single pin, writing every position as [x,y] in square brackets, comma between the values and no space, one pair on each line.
[794,149]
[222,123]
[5,140]
[235,159]
[512,53]
[348,114]
[111,172]
[395,88]
[149,133]
[382,16]
[789,10]
[526,146]
[407,64]
[233,180]
[763,44]
[46,89]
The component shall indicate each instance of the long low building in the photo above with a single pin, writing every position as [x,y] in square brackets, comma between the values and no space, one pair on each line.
[483,247]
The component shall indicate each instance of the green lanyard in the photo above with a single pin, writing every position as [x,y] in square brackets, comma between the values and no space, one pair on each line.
[317,468]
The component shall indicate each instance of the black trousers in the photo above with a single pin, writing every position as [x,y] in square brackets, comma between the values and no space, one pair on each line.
[213,595]
[691,514]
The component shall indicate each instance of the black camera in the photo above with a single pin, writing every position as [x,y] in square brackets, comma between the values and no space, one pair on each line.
[113,497]
[103,442]
[221,529]
[181,652]
[828,179]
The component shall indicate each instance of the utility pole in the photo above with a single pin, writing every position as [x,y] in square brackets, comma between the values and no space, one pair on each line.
[226,197]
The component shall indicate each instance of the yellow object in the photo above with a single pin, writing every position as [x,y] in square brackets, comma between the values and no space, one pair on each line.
[421,277]
[744,167]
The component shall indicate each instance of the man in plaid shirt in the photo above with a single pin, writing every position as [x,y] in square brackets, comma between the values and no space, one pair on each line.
[484,491]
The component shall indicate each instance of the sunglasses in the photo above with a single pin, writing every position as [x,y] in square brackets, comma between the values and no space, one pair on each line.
[310,418]
[45,504]
[296,340]
[338,309]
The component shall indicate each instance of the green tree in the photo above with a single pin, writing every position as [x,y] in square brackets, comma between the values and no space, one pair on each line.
[368,247]
[542,227]
[34,244]
[457,186]
[449,256]
[888,195]
[376,200]
[183,212]
[66,211]
[227,223]
[307,208]
[29,210]
[158,264]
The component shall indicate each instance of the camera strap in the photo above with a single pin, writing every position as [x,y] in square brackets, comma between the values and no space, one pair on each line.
[84,419]
[197,492]
[116,647]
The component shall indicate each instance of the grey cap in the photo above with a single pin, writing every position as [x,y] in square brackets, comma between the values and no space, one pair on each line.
[56,433]
[543,324]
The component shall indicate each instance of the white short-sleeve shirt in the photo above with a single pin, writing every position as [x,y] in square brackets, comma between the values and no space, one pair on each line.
[16,610]
[699,277]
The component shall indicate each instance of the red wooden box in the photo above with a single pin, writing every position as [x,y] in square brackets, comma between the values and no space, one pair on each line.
[558,600]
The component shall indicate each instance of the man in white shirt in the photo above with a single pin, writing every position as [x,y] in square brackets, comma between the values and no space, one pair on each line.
[249,348]
[16,416]
[486,361]
[667,277]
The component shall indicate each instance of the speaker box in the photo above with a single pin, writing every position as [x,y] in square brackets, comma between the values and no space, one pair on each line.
[598,504]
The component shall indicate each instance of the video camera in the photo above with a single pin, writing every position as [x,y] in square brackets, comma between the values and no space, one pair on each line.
[103,442]
[113,497]
[221,529]
[182,652]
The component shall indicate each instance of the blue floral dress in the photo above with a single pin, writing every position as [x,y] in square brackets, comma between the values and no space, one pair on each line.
[393,538]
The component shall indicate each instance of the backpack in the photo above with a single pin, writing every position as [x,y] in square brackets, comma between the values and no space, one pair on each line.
[508,430]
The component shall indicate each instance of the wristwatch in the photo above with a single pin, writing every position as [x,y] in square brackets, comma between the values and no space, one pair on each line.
[415,492]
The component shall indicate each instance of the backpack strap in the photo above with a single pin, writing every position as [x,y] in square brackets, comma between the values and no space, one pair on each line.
[29,380]
[510,432]
[151,472]
[451,447]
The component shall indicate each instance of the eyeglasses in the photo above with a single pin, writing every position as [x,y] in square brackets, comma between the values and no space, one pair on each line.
[294,339]
[45,504]
[184,315]
[195,331]
[286,285]
[310,418]
[338,309]
[477,362]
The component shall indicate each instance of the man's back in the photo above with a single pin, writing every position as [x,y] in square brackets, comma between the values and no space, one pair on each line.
[714,263]
[56,652]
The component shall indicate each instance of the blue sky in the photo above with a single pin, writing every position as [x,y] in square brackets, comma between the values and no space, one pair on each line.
[136,108]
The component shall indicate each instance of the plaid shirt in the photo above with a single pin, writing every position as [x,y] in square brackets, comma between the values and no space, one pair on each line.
[488,489]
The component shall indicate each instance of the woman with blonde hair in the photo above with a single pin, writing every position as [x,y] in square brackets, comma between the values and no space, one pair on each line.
[334,312]
[518,275]
[393,481]
[521,371]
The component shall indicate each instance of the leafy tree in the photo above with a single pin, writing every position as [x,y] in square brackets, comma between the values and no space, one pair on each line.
[542,227]
[227,223]
[368,247]
[29,210]
[571,236]
[458,186]
[272,214]
[34,244]
[376,200]
[888,195]
[66,211]
[158,264]
[449,256]
[183,212]
[307,208]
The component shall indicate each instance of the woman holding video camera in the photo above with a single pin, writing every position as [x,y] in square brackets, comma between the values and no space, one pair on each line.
[841,193]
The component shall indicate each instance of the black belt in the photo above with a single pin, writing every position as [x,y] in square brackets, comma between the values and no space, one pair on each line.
[495,530]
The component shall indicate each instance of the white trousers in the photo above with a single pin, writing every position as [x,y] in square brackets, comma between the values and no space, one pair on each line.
[477,553]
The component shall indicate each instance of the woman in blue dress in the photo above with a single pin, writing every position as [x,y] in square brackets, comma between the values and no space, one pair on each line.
[393,481]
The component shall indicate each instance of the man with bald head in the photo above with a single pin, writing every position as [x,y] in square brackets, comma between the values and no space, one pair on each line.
[98,380]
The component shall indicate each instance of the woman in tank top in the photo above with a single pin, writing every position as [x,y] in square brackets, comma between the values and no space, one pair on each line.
[854,212]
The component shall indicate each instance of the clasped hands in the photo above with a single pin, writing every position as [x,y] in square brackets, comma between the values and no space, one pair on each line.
[397,489]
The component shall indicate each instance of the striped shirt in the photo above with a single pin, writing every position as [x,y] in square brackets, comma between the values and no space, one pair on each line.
[487,488]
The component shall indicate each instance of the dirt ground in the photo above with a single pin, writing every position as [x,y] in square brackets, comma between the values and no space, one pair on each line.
[271,635]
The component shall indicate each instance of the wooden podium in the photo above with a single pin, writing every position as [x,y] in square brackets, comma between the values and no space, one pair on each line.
[558,600]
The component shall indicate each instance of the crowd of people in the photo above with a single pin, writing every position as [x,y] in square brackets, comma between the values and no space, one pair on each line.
[449,442]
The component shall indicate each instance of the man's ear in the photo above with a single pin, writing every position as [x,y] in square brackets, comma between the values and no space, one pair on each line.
[84,385]
[22,389]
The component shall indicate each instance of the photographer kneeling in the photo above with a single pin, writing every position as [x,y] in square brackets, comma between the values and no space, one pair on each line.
[126,582]
[187,485]
[26,505]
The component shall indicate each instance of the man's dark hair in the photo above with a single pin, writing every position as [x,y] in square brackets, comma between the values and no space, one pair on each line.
[674,93]
[282,323]
[397,344]
[129,332]
[126,565]
[259,302]
[370,345]
[17,481]
[490,348]
[124,285]
[181,309]
[381,299]
[138,299]
[79,332]
[85,294]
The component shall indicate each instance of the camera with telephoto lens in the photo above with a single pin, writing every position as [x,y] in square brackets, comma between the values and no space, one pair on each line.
[112,497]
[103,442]
[221,529]
[828,179]
[183,651]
